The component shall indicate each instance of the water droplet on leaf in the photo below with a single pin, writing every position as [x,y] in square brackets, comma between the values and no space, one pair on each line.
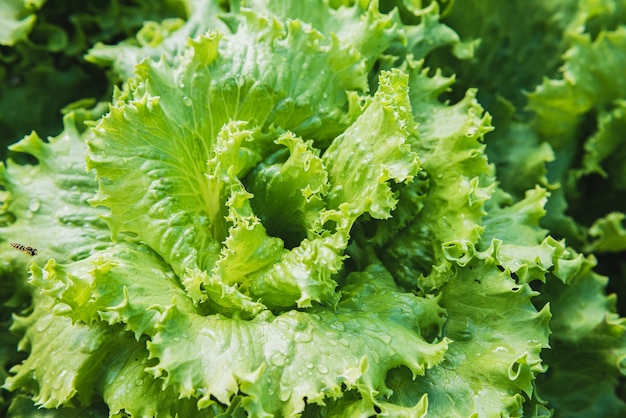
[277,359]
[34,205]
[44,323]
[386,338]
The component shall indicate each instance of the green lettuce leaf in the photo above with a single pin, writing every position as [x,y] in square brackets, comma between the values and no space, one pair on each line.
[587,105]
[360,24]
[582,87]
[96,359]
[379,319]
[588,352]
[17,20]
[497,338]
[310,356]
[457,179]
[97,288]
[211,185]
[608,233]
[586,331]
[41,64]
[160,35]
[50,195]
[521,57]
[520,155]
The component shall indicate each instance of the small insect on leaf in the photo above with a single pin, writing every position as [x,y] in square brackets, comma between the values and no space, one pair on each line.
[24,249]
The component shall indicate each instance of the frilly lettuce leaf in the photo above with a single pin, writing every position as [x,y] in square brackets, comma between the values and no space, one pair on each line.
[312,355]
[191,167]
[521,57]
[55,383]
[173,105]
[497,337]
[456,178]
[578,112]
[45,191]
[164,38]
[373,317]
[374,150]
[96,359]
[431,34]
[585,329]
[17,20]
[582,87]
[97,288]
[520,155]
[588,348]
[360,24]
[581,114]
[50,195]
[43,71]
[608,234]
[8,354]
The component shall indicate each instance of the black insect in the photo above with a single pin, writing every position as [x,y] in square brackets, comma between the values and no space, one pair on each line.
[27,250]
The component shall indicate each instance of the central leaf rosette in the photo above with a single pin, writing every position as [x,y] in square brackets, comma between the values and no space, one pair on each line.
[246,173]
[198,165]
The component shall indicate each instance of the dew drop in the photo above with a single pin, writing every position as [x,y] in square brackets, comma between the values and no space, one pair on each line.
[277,359]
[187,101]
[61,309]
[322,369]
[308,365]
[34,205]
[386,338]
[58,382]
[43,323]
[88,346]
[300,326]
[344,342]
[139,382]
[338,326]
[468,333]
[285,393]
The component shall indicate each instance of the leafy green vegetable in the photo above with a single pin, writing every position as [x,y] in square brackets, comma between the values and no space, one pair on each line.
[41,50]
[289,209]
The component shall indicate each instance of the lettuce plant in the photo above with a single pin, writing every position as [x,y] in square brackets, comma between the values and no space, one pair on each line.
[288,209]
